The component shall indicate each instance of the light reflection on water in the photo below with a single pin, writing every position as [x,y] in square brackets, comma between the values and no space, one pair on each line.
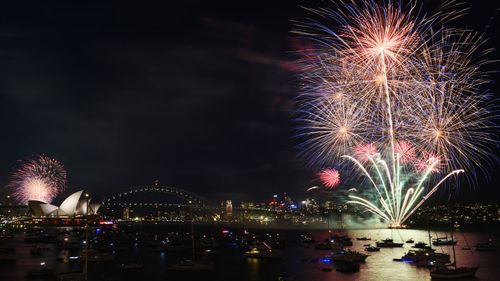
[231,265]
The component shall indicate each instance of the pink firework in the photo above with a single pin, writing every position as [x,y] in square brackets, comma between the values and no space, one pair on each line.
[329,177]
[39,178]
[406,151]
[428,161]
[364,152]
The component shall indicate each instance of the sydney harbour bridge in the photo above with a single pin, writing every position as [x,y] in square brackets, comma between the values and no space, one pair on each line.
[127,197]
[159,202]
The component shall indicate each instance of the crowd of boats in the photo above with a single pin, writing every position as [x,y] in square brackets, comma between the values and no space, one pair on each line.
[421,254]
[197,252]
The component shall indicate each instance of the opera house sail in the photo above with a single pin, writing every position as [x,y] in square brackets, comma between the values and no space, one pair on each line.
[73,205]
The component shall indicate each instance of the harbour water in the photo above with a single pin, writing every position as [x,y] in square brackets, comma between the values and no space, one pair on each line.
[301,262]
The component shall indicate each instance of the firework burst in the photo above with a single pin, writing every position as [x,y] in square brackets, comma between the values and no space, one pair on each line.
[329,177]
[39,178]
[405,82]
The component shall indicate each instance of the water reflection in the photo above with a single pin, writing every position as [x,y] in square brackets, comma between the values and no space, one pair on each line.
[301,262]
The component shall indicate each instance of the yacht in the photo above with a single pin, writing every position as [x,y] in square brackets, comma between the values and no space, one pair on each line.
[327,246]
[35,251]
[71,276]
[348,267]
[264,254]
[483,247]
[410,241]
[444,242]
[350,256]
[7,257]
[189,265]
[372,249]
[421,245]
[425,257]
[306,239]
[388,243]
[453,273]
[131,265]
[43,272]
[363,238]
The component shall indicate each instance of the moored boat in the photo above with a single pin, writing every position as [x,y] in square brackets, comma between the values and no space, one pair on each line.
[264,254]
[421,245]
[348,256]
[189,265]
[347,267]
[388,243]
[486,247]
[444,242]
[372,249]
[453,273]
[363,238]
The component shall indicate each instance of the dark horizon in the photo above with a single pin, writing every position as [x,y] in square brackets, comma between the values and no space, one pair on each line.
[195,95]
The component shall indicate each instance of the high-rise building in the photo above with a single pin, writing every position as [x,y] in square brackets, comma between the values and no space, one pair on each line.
[126,213]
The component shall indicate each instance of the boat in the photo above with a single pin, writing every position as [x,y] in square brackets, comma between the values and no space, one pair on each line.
[348,256]
[363,239]
[410,241]
[444,241]
[7,258]
[43,272]
[372,249]
[71,276]
[327,246]
[453,273]
[421,245]
[347,267]
[99,257]
[306,239]
[131,266]
[486,247]
[35,251]
[189,265]
[193,264]
[388,243]
[340,239]
[264,254]
[425,257]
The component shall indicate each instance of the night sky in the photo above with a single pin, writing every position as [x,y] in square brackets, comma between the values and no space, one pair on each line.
[195,94]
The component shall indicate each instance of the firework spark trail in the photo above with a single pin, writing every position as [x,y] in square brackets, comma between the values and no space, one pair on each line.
[403,81]
[39,178]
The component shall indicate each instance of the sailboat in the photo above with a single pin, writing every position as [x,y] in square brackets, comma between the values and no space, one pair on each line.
[452,271]
[192,264]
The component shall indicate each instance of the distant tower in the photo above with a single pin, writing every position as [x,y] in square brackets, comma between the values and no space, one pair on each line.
[126,213]
[229,208]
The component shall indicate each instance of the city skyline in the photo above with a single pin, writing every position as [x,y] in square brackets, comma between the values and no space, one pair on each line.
[196,96]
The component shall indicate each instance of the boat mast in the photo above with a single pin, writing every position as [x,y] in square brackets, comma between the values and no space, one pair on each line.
[192,231]
[429,232]
[453,245]
[451,232]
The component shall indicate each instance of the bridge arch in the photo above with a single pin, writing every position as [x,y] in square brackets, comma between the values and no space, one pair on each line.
[190,197]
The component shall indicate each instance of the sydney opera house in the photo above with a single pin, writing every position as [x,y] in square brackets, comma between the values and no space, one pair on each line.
[74,205]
